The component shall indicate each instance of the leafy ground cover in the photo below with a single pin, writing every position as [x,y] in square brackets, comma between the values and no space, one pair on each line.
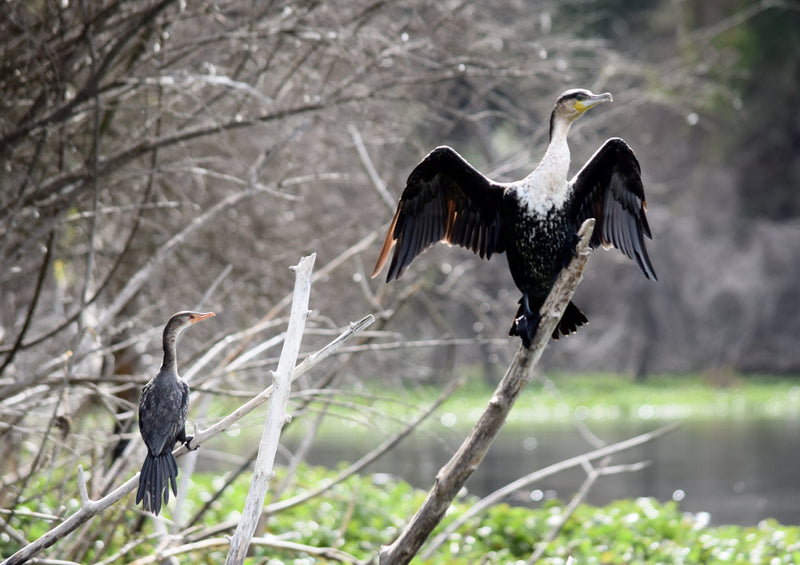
[365,512]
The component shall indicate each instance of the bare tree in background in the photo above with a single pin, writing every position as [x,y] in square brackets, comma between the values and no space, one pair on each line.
[122,122]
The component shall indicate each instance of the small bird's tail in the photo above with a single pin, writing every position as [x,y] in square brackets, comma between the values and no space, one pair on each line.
[525,323]
[158,474]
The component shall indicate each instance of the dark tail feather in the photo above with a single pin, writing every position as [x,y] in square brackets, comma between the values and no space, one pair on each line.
[148,462]
[525,324]
[572,319]
[173,474]
[158,474]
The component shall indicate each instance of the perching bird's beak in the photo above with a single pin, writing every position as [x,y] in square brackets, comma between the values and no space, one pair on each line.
[593,100]
[197,317]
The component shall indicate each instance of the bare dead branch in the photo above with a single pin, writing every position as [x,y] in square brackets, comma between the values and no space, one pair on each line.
[373,455]
[592,474]
[276,417]
[164,252]
[363,154]
[87,511]
[455,473]
[307,364]
[29,315]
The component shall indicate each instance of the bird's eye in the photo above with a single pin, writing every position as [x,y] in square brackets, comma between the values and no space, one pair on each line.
[580,97]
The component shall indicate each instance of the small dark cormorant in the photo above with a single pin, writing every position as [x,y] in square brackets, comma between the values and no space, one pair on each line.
[534,220]
[162,419]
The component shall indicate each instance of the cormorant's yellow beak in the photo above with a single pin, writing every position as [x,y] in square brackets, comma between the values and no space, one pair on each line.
[593,100]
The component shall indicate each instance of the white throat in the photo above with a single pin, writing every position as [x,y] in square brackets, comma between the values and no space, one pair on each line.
[547,186]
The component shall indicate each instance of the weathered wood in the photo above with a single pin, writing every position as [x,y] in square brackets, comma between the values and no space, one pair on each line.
[276,416]
[455,473]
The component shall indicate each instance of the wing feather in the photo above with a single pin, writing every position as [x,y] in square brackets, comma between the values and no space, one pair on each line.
[445,199]
[609,188]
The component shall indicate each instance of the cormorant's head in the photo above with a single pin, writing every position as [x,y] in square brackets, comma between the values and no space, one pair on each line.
[183,320]
[572,104]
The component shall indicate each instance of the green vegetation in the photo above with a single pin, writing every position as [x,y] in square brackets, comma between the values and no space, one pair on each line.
[362,514]
[665,397]
[595,397]
[365,512]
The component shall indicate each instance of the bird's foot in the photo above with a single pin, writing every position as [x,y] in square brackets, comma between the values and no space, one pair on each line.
[526,322]
[526,325]
[187,442]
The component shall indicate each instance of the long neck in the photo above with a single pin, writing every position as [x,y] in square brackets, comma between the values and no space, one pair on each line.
[170,363]
[546,187]
[556,158]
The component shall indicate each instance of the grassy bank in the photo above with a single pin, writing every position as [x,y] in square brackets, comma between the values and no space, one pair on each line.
[557,398]
[665,397]
[609,397]
[560,398]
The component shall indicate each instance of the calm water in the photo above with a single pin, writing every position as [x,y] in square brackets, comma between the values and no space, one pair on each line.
[740,472]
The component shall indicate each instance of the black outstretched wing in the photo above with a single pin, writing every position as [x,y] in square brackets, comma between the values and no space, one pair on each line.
[609,189]
[445,199]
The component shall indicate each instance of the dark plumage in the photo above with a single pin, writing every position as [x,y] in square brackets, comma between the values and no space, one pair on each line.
[162,419]
[534,220]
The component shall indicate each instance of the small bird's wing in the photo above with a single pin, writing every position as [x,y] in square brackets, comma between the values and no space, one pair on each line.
[183,411]
[162,415]
[609,188]
[448,200]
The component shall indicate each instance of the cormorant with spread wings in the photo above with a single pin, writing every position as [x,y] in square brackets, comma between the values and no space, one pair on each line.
[533,220]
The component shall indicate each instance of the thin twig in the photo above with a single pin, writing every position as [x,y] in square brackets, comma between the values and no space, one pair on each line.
[88,510]
[163,253]
[593,473]
[357,247]
[370,457]
[48,258]
[309,362]
[352,469]
[377,182]
[265,541]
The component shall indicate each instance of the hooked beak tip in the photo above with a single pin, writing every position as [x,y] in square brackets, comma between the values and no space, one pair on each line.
[199,317]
